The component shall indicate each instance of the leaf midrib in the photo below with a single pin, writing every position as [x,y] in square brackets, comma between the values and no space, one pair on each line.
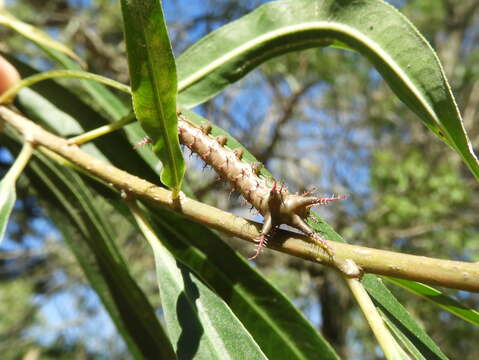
[309,26]
[159,105]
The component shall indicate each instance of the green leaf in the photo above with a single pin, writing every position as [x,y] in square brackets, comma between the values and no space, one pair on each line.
[112,106]
[199,323]
[438,298]
[154,83]
[373,28]
[102,97]
[274,322]
[32,33]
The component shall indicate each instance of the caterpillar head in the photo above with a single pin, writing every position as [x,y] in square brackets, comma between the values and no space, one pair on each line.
[292,209]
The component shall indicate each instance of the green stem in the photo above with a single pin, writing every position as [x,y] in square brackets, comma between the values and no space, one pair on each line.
[102,130]
[391,348]
[20,162]
[10,94]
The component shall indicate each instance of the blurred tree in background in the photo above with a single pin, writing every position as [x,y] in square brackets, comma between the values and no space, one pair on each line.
[356,138]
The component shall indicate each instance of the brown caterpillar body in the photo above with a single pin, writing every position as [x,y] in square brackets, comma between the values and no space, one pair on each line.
[270,199]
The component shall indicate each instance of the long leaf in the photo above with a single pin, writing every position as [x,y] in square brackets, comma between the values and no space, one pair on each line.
[374,28]
[200,324]
[276,325]
[438,298]
[154,83]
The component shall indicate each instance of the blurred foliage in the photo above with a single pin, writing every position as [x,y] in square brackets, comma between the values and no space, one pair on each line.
[407,191]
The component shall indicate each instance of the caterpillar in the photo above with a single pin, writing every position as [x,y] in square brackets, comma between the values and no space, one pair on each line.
[271,199]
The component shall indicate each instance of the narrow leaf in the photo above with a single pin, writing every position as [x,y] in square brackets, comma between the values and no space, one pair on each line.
[374,28]
[438,298]
[199,323]
[32,33]
[154,83]
[103,98]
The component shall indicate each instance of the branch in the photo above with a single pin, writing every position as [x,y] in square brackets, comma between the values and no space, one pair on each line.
[452,274]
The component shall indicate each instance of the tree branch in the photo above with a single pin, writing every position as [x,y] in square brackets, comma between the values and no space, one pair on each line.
[452,274]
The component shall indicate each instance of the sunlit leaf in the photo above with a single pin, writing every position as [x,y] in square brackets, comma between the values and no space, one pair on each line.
[438,298]
[154,83]
[199,323]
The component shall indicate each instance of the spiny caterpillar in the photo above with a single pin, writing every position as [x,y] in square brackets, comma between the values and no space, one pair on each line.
[271,200]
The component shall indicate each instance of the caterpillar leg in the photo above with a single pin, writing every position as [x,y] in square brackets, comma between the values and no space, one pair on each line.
[262,240]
